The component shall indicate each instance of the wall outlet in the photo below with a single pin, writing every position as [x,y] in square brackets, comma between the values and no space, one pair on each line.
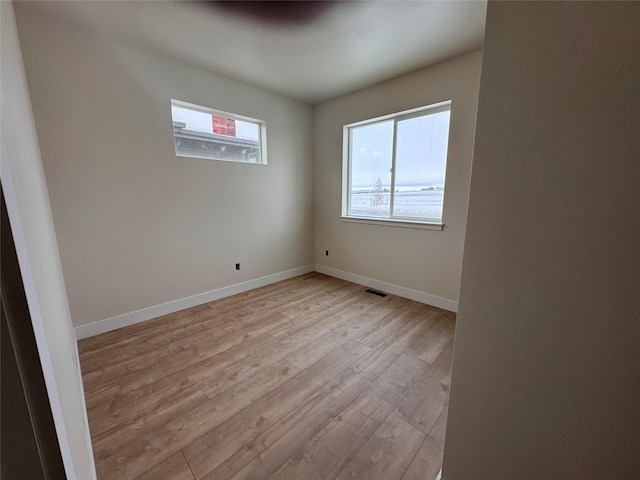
[326,253]
[237,266]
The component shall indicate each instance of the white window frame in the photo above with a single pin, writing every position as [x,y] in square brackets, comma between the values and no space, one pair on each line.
[398,221]
[262,131]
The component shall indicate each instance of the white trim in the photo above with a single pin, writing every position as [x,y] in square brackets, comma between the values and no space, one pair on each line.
[37,321]
[142,315]
[22,100]
[131,318]
[429,299]
[393,222]
[439,477]
[76,361]
[403,115]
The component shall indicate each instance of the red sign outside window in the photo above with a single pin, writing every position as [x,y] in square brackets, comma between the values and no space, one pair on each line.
[224,126]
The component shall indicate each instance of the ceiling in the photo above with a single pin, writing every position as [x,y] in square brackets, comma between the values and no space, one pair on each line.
[309,51]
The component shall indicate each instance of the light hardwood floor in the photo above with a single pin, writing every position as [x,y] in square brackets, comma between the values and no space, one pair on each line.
[310,378]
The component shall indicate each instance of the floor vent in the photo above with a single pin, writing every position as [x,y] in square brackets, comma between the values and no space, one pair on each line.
[375,292]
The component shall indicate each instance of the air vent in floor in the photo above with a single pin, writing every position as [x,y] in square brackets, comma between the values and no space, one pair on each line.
[375,292]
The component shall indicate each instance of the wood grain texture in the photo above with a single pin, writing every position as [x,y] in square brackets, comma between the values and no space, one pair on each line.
[387,453]
[428,460]
[175,468]
[308,378]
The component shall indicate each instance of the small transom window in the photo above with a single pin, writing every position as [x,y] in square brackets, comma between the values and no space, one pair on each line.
[203,132]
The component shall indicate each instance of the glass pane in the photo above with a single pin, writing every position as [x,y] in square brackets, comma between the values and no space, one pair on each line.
[206,135]
[421,159]
[370,155]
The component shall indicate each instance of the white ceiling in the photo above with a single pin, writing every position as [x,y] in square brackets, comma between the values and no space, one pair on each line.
[338,48]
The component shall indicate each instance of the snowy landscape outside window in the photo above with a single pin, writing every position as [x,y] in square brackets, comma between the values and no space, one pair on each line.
[203,132]
[394,166]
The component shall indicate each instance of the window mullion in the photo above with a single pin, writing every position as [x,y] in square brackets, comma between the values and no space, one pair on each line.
[393,169]
[349,171]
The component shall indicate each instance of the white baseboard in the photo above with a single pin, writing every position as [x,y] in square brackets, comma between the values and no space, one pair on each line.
[131,318]
[433,300]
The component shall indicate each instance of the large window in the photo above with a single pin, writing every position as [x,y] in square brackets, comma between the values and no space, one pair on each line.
[394,166]
[202,132]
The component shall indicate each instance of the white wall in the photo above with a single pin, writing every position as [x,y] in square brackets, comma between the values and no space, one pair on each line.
[138,226]
[425,261]
[29,212]
[546,369]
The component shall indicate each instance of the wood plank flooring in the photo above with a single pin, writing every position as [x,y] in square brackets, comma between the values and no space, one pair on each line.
[310,378]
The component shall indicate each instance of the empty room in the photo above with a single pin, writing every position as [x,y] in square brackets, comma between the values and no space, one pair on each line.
[240,240]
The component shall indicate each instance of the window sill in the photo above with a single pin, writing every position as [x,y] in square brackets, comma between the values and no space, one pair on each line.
[202,157]
[392,222]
